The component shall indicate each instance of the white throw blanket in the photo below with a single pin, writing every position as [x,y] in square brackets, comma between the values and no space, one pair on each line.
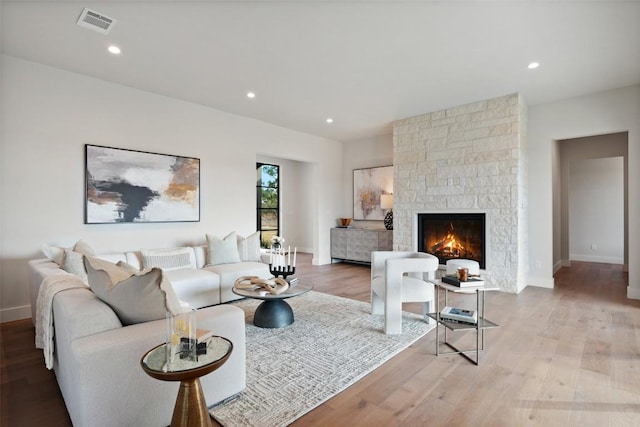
[49,287]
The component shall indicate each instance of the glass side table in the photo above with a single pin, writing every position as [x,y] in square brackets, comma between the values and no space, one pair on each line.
[191,407]
[479,327]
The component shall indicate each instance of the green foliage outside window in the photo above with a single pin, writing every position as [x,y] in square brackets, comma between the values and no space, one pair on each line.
[268,194]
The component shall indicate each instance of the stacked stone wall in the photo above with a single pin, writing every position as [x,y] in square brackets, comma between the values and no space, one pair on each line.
[466,159]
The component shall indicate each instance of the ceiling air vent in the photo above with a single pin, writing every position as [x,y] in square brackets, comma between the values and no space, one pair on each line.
[95,21]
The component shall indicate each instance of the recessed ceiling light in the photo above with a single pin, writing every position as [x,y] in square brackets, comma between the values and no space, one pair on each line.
[251,95]
[114,49]
[533,65]
[329,120]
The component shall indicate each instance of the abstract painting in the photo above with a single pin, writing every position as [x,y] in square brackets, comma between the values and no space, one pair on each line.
[137,186]
[368,185]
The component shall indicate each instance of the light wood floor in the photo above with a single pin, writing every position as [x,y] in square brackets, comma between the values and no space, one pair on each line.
[563,357]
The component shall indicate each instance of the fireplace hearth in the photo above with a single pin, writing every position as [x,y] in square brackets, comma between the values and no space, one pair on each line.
[452,236]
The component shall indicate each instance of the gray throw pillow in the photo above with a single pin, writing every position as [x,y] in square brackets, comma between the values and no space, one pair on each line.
[135,297]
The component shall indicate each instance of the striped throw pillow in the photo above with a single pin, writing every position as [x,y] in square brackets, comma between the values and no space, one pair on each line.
[168,259]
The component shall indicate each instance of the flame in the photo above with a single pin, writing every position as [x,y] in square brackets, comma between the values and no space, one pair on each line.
[448,247]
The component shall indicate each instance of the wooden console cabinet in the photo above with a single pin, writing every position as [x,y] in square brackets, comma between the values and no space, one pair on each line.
[356,244]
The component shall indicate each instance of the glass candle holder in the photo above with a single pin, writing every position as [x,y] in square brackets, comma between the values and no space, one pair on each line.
[181,338]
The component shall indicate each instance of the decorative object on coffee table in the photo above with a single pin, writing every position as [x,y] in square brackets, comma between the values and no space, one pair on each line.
[386,202]
[280,263]
[274,312]
[273,286]
[191,407]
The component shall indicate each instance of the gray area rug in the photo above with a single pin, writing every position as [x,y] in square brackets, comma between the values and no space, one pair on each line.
[333,343]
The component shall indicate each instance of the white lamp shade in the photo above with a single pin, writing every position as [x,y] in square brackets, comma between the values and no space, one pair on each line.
[386,201]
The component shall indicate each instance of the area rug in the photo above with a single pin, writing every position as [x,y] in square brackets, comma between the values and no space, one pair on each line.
[332,343]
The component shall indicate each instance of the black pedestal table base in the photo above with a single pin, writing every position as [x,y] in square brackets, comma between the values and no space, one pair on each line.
[274,313]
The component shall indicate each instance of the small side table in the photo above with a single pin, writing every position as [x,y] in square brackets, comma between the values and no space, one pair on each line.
[479,327]
[191,407]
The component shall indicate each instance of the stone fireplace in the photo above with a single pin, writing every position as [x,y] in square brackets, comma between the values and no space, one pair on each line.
[462,160]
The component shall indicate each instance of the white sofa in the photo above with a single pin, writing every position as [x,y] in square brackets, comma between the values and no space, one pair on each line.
[97,359]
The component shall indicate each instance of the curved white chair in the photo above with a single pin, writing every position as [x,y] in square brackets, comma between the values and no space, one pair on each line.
[398,277]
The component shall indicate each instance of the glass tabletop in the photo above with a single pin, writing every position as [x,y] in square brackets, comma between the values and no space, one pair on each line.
[156,358]
[295,289]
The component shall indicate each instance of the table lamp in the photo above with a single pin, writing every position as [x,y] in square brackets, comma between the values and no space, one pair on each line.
[386,202]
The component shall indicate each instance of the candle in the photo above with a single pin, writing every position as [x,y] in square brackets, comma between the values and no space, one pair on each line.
[295,252]
[289,257]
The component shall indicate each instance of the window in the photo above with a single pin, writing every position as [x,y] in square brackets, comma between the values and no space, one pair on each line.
[268,202]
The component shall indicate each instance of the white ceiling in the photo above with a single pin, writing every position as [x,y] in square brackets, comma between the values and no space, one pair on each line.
[363,63]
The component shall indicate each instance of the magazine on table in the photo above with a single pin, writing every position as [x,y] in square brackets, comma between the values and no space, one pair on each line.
[459,315]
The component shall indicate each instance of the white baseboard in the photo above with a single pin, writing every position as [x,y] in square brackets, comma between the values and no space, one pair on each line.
[633,292]
[595,258]
[15,313]
[541,282]
[560,264]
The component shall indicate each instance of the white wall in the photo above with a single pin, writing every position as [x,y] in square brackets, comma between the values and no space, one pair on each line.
[358,154]
[49,114]
[612,111]
[596,214]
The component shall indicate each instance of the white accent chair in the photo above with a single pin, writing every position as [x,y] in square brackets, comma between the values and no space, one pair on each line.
[398,277]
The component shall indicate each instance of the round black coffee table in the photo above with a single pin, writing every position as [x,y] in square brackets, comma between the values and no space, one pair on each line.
[274,311]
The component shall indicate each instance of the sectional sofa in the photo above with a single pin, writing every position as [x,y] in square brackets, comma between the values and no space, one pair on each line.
[97,351]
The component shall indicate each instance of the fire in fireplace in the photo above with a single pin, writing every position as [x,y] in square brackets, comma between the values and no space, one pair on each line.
[452,235]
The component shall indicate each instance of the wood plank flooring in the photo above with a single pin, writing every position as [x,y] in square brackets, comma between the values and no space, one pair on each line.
[563,357]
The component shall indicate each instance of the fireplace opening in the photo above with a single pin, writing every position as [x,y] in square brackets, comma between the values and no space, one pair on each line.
[452,236]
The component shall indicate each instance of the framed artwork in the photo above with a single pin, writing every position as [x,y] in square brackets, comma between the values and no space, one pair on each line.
[368,185]
[136,186]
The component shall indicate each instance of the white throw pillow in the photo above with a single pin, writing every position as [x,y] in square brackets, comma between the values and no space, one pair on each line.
[134,297]
[168,259]
[73,262]
[56,253]
[69,259]
[223,251]
[249,247]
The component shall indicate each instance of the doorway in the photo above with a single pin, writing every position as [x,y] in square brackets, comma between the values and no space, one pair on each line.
[592,206]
